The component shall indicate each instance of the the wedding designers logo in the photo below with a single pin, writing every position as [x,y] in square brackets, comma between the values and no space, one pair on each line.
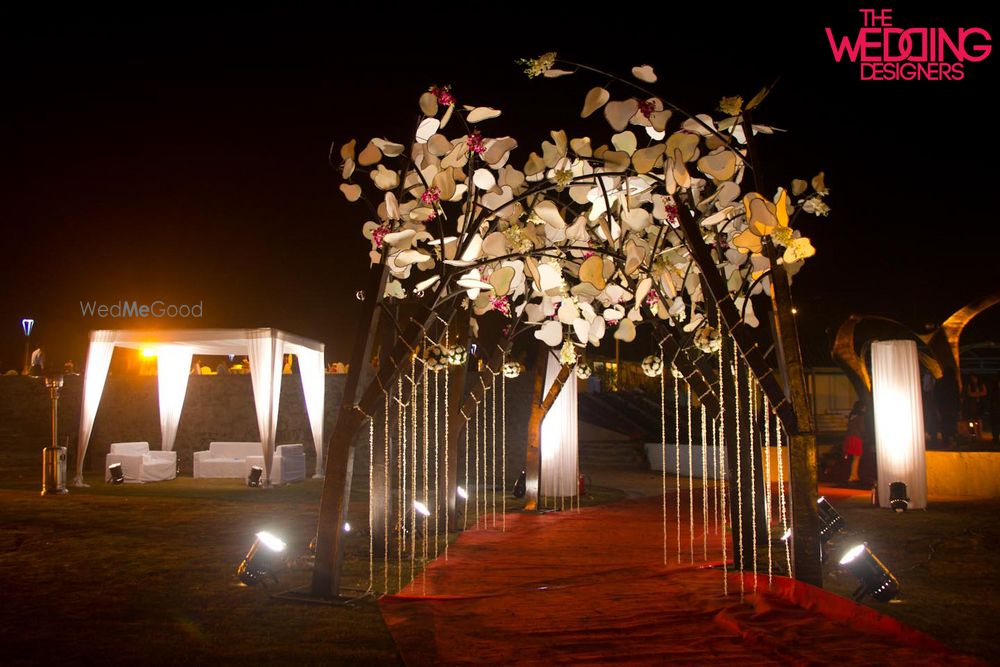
[126,309]
[888,53]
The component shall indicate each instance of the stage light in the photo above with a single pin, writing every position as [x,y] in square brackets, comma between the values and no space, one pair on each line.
[521,485]
[255,474]
[462,493]
[117,475]
[148,352]
[829,519]
[266,557]
[898,500]
[874,577]
[420,507]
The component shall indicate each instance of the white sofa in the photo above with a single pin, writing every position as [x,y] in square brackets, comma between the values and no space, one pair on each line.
[224,459]
[287,466]
[139,464]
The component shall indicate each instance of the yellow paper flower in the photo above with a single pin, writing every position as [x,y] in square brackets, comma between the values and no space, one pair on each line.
[731,105]
[799,248]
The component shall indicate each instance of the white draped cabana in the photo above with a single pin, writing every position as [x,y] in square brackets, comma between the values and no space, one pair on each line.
[264,348]
[560,438]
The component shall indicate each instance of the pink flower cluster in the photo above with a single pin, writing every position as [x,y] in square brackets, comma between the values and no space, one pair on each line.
[378,234]
[652,297]
[430,195]
[475,143]
[646,108]
[501,304]
[443,95]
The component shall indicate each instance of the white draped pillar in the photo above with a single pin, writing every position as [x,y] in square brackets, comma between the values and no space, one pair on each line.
[102,347]
[264,351]
[559,446]
[312,370]
[173,368]
[899,420]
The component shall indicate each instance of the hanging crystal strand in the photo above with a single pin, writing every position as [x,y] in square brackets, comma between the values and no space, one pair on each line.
[781,496]
[677,461]
[766,408]
[493,436]
[720,446]
[477,465]
[739,467]
[385,498]
[486,462]
[715,467]
[437,448]
[371,508]
[400,481]
[704,483]
[468,489]
[752,432]
[503,446]
[426,443]
[663,445]
[413,465]
[690,473]
[447,441]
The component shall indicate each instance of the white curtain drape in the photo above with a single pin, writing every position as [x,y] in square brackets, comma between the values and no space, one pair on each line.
[102,346]
[173,367]
[899,420]
[312,370]
[265,351]
[560,438]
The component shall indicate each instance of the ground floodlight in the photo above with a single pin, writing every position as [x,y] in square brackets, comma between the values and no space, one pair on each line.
[874,578]
[255,475]
[898,500]
[117,475]
[420,507]
[830,520]
[462,493]
[266,557]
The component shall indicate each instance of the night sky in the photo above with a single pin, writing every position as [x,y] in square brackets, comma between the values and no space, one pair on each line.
[184,157]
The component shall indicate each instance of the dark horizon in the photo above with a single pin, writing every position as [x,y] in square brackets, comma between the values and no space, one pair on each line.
[185,158]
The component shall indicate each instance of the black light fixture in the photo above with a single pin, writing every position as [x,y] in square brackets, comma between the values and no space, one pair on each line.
[874,578]
[898,500]
[265,558]
[830,520]
[117,476]
[255,474]
[521,485]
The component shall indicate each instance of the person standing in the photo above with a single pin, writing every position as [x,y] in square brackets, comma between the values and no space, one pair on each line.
[948,400]
[854,439]
[37,361]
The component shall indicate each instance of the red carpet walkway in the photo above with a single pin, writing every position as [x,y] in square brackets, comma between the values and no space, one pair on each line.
[591,588]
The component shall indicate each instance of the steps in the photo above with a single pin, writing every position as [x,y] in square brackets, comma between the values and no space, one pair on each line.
[596,455]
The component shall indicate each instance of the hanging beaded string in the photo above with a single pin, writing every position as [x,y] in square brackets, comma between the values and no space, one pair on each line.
[437,464]
[663,445]
[767,485]
[781,495]
[426,453]
[447,446]
[465,502]
[385,497]
[715,467]
[739,468]
[722,475]
[477,463]
[690,440]
[493,428]
[752,432]
[413,464]
[677,462]
[704,483]
[503,444]
[401,481]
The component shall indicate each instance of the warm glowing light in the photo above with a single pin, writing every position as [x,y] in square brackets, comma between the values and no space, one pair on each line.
[795,311]
[819,501]
[270,541]
[420,507]
[787,536]
[462,493]
[347,526]
[853,553]
[26,324]
[148,352]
